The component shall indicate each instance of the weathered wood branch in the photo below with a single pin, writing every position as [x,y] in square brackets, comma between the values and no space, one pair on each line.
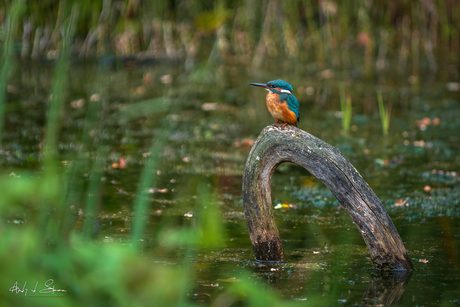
[276,145]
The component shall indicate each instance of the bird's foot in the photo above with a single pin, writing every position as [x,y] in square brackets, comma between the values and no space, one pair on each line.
[284,125]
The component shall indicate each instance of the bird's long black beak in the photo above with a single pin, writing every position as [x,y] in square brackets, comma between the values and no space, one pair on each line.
[259,84]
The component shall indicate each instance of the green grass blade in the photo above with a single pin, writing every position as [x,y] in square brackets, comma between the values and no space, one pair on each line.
[384,116]
[11,25]
[52,182]
[345,106]
[148,179]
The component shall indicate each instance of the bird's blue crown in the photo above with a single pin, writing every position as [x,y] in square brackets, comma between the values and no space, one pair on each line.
[281,84]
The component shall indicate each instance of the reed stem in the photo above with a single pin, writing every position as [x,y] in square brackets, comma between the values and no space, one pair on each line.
[345,106]
[384,113]
[12,21]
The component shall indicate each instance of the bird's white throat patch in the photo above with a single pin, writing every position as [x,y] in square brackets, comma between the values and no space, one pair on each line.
[282,91]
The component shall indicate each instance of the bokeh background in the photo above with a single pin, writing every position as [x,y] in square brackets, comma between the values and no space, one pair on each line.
[125,127]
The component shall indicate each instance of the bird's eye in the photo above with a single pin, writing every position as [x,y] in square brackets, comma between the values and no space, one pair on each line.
[270,85]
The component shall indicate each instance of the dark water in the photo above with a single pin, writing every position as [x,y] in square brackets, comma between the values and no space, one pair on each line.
[216,117]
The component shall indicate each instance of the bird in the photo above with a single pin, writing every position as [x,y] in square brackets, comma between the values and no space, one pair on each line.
[281,103]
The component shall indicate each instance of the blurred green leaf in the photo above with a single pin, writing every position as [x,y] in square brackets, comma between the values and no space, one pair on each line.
[140,109]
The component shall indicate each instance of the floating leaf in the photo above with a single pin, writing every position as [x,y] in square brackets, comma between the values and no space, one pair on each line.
[401,202]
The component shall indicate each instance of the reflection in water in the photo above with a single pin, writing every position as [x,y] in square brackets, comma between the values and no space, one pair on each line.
[386,289]
[383,289]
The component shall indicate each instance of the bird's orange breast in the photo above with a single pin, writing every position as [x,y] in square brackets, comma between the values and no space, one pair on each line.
[280,110]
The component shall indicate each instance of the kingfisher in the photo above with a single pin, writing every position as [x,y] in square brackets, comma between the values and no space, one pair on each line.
[281,103]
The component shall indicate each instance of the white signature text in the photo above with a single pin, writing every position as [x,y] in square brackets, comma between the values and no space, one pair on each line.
[49,288]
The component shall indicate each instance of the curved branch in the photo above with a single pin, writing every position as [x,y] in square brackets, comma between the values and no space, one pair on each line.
[276,145]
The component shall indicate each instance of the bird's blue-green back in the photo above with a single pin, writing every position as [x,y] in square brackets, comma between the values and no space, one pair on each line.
[293,105]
